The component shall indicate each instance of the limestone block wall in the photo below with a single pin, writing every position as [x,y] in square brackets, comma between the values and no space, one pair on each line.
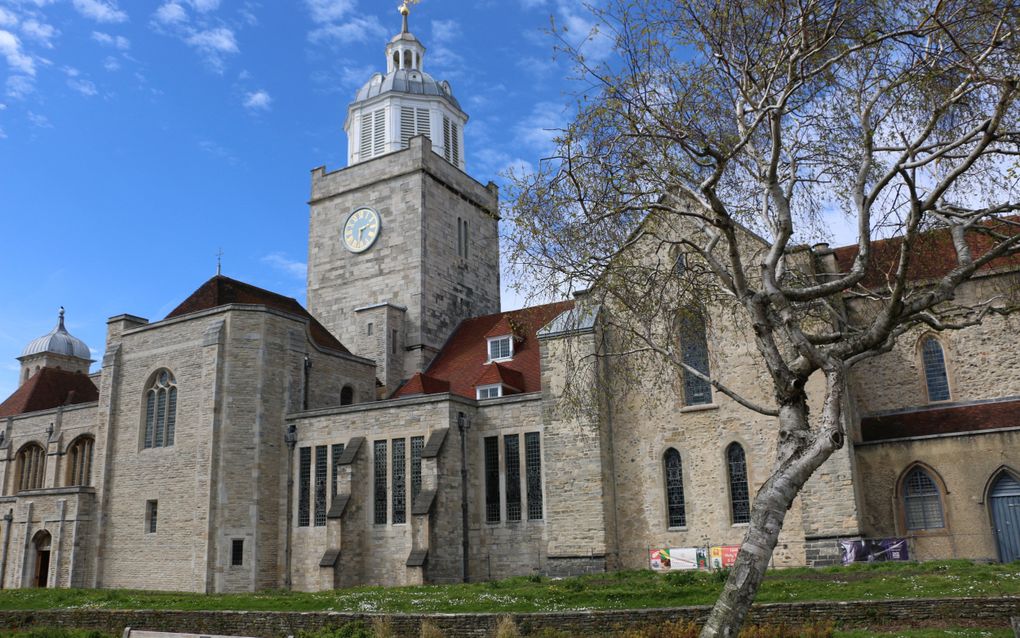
[962,465]
[414,262]
[981,360]
[377,553]
[504,548]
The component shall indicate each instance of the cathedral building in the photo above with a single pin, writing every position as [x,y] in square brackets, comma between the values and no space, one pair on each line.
[402,429]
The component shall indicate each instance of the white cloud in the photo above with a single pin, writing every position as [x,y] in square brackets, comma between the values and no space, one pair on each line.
[171,13]
[356,30]
[10,49]
[85,87]
[219,40]
[111,63]
[539,128]
[531,4]
[582,33]
[204,6]
[326,11]
[99,10]
[7,19]
[18,86]
[296,269]
[39,121]
[106,39]
[40,32]
[3,134]
[444,31]
[258,101]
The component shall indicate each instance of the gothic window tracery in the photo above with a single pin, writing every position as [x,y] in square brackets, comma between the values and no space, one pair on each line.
[31,467]
[160,410]
[79,461]
[675,506]
[922,501]
[740,495]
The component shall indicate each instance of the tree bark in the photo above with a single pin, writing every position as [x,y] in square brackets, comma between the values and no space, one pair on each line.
[800,453]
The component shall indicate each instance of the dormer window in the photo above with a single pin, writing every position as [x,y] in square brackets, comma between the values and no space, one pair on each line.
[501,348]
[489,391]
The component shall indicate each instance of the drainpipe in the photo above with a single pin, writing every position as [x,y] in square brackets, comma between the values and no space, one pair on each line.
[8,520]
[290,438]
[462,426]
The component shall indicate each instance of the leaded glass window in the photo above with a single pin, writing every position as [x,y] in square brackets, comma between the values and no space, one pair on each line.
[935,370]
[500,348]
[512,450]
[399,482]
[694,352]
[79,461]
[304,485]
[675,507]
[740,496]
[922,501]
[31,463]
[492,479]
[160,410]
[417,444]
[320,485]
[338,451]
[379,455]
[533,468]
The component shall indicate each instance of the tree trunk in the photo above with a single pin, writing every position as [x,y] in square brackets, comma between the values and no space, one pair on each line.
[800,453]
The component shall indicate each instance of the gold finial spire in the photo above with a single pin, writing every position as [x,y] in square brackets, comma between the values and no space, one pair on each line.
[405,9]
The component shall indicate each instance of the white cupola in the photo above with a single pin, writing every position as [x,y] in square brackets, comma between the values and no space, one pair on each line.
[391,109]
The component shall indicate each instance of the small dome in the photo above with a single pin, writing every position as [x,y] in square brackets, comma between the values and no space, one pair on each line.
[59,341]
[410,81]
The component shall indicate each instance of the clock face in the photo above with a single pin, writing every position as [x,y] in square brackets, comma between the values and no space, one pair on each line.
[361,230]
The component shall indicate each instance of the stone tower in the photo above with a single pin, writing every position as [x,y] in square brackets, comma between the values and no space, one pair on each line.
[403,244]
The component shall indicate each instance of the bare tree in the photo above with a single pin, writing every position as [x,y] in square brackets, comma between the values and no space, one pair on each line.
[748,125]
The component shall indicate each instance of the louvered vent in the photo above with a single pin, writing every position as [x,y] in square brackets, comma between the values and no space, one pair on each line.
[446,138]
[413,121]
[379,132]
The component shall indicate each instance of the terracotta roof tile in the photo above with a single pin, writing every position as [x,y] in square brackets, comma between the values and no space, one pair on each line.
[933,255]
[220,291]
[50,388]
[465,357]
[424,384]
[494,373]
[947,420]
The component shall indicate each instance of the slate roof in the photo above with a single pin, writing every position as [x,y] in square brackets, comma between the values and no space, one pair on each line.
[463,361]
[942,420]
[50,388]
[221,291]
[933,255]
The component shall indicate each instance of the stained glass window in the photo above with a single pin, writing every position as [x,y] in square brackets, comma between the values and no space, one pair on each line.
[399,482]
[675,489]
[533,468]
[740,497]
[491,479]
[935,370]
[512,450]
[694,351]
[380,482]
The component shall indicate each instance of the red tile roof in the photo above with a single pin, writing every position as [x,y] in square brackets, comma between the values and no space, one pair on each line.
[494,373]
[424,384]
[947,420]
[933,255]
[49,388]
[465,358]
[220,291]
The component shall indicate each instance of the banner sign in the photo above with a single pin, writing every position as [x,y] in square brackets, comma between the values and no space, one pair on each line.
[724,556]
[678,559]
[870,551]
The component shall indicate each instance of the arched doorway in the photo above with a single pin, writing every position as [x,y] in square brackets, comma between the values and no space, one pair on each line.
[1004,498]
[41,543]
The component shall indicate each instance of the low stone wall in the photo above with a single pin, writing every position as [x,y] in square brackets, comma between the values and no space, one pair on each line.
[862,614]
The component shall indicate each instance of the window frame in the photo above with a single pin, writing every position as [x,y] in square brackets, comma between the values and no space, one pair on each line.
[731,484]
[159,403]
[666,486]
[489,341]
[78,461]
[152,516]
[903,504]
[486,391]
[926,378]
[37,478]
[692,327]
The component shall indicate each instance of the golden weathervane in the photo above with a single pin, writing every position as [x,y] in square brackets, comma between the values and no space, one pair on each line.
[405,8]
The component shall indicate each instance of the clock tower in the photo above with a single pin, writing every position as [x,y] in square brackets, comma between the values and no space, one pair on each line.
[403,244]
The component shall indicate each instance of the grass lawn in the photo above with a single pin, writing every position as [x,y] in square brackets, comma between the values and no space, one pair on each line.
[929,633]
[633,589]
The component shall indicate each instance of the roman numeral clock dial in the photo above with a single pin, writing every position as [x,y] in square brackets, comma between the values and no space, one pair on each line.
[361,230]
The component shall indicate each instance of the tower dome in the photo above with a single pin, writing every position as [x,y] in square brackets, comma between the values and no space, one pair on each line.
[58,341]
[56,349]
[406,101]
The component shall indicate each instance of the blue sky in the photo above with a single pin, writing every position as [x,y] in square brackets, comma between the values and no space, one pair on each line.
[139,138]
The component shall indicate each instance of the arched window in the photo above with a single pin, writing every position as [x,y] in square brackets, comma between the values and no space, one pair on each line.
[676,512]
[922,501]
[79,461]
[347,395]
[31,466]
[694,351]
[407,60]
[160,410]
[935,376]
[740,495]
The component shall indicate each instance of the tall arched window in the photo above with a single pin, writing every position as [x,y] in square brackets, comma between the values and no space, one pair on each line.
[694,351]
[160,410]
[31,467]
[922,501]
[347,395]
[935,376]
[79,462]
[740,495]
[675,509]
